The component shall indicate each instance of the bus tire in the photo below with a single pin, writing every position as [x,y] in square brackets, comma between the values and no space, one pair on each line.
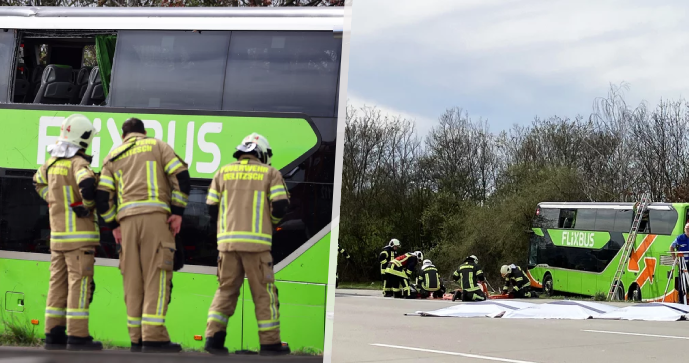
[619,292]
[548,285]
[634,293]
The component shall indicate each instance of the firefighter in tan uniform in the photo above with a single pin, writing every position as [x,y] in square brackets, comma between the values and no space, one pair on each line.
[67,183]
[142,194]
[246,198]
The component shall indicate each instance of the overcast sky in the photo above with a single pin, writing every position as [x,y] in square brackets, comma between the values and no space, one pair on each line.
[510,60]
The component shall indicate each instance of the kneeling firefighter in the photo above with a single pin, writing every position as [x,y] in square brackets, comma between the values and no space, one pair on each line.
[428,282]
[399,273]
[468,274]
[515,277]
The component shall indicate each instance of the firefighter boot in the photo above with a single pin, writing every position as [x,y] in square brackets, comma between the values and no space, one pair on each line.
[83,343]
[56,339]
[161,347]
[136,347]
[275,349]
[216,344]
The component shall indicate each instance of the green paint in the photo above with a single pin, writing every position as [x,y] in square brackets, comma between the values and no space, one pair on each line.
[302,306]
[27,133]
[578,239]
[314,261]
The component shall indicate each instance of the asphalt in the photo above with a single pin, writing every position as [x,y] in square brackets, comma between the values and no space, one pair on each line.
[370,328]
[38,355]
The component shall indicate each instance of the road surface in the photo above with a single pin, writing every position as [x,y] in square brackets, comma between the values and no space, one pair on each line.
[370,328]
[38,355]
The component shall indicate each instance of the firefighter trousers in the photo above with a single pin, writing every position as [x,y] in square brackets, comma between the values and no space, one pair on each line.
[474,295]
[258,267]
[71,291]
[146,262]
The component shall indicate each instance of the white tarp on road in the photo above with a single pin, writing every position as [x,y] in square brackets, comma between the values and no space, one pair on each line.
[564,309]
[649,312]
[491,309]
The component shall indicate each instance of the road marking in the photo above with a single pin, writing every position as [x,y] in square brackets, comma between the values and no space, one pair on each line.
[637,334]
[466,355]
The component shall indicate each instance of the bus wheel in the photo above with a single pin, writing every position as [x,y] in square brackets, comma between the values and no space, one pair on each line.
[634,293]
[548,285]
[618,295]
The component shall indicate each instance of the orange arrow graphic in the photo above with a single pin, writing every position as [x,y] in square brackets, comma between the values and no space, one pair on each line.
[648,272]
[634,259]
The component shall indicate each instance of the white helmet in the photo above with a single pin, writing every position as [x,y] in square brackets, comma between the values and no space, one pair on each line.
[504,270]
[427,263]
[472,257]
[258,144]
[394,243]
[419,255]
[77,130]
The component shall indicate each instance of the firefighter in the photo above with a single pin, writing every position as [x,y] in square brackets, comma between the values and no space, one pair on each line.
[247,197]
[142,195]
[67,183]
[399,273]
[388,254]
[343,252]
[515,277]
[428,282]
[468,274]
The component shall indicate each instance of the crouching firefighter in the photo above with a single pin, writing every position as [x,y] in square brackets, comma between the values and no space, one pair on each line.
[400,271]
[428,282]
[388,254]
[67,183]
[468,274]
[515,277]
[246,198]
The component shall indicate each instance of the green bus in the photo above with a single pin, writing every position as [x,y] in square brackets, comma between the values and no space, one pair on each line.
[201,79]
[575,248]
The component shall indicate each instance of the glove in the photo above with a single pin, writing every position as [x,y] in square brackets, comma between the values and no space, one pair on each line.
[80,210]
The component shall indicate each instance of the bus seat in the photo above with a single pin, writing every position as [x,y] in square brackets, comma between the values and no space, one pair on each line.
[21,88]
[56,85]
[34,83]
[567,223]
[82,83]
[94,92]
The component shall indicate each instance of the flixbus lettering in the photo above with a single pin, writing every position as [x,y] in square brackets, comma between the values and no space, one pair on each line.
[578,239]
[110,134]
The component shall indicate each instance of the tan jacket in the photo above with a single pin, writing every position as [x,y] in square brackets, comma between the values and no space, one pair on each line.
[142,179]
[57,182]
[244,191]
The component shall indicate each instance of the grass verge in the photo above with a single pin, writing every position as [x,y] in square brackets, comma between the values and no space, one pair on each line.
[17,331]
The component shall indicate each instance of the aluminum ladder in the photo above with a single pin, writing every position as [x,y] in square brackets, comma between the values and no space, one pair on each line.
[628,246]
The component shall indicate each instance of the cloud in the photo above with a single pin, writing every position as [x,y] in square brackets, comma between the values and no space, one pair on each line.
[422,123]
[510,60]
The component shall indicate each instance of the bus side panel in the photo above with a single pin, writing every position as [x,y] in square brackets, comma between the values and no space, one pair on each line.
[301,313]
[192,295]
[186,316]
[311,266]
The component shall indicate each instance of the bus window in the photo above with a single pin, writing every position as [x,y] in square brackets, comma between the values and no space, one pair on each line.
[283,72]
[6,53]
[623,221]
[546,218]
[198,234]
[605,220]
[566,219]
[662,221]
[169,69]
[586,219]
